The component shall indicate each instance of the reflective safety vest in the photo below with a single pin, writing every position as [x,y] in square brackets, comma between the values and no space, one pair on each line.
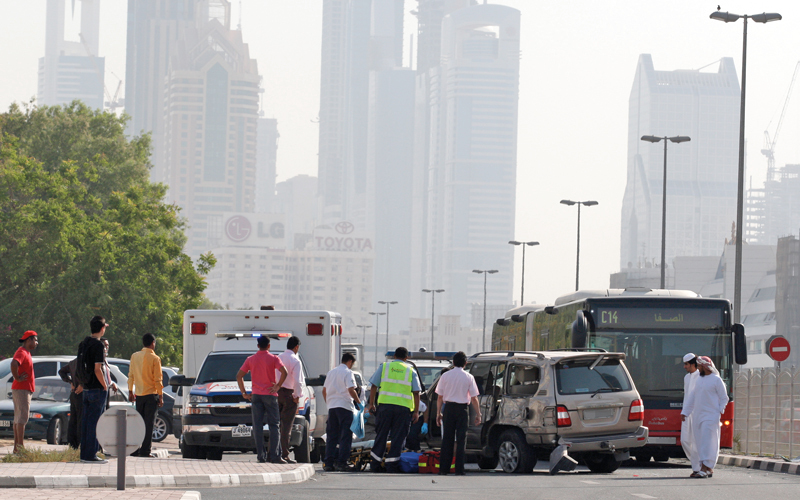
[395,386]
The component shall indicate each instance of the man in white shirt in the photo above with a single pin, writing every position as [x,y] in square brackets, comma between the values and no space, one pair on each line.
[341,397]
[706,403]
[290,392]
[456,390]
[687,443]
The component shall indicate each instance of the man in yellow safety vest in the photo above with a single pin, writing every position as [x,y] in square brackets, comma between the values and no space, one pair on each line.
[398,402]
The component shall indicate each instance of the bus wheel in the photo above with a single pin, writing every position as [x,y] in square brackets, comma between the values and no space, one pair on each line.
[642,456]
[601,462]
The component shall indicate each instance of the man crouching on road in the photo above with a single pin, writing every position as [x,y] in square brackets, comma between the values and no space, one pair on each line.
[264,398]
[23,386]
[397,408]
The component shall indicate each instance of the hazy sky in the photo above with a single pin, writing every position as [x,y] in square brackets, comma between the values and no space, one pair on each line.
[577,68]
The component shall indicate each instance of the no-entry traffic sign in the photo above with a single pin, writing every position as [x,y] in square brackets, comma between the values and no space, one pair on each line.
[778,348]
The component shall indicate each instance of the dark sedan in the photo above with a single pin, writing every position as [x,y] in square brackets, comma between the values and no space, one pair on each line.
[49,412]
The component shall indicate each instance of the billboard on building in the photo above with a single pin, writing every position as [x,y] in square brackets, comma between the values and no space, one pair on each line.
[253,230]
[341,237]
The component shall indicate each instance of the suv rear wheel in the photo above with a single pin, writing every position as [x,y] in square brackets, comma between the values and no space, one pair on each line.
[601,462]
[514,454]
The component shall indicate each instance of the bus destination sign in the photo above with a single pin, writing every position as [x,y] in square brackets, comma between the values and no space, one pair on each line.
[658,318]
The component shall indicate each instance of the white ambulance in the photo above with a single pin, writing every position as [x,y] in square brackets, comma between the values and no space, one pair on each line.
[216,418]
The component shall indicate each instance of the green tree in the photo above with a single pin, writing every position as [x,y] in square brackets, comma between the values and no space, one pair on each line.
[83,232]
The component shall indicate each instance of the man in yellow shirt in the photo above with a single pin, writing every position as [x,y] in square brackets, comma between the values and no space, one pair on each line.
[145,375]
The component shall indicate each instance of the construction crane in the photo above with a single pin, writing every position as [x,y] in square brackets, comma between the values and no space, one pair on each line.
[769,143]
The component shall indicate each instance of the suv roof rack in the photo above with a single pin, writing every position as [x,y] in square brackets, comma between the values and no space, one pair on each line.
[427,355]
[508,353]
[579,349]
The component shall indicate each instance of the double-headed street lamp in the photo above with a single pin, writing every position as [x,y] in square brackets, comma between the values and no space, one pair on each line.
[654,139]
[363,335]
[433,304]
[727,17]
[387,319]
[524,244]
[578,253]
[484,272]
[377,317]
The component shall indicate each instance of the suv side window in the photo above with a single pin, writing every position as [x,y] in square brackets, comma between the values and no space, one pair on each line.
[523,379]
[482,374]
[497,379]
[45,369]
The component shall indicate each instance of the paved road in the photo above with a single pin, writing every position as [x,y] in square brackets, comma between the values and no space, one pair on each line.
[667,481]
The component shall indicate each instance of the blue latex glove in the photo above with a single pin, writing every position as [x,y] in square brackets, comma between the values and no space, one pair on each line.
[424,429]
[358,406]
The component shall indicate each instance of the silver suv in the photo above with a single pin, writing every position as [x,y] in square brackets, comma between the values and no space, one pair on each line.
[537,403]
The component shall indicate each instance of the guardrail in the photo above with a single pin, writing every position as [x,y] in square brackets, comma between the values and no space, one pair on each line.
[767,418]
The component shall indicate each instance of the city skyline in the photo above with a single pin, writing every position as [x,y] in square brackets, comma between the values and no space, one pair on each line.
[559,155]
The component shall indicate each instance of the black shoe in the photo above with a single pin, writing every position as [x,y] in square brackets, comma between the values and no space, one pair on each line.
[289,460]
[94,460]
[375,466]
[328,468]
[262,460]
[441,473]
[393,470]
[278,461]
[461,473]
[344,468]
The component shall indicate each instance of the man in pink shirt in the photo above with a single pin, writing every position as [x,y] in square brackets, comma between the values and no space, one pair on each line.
[456,390]
[262,367]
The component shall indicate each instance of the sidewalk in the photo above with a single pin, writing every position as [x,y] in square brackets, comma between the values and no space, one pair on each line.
[150,473]
[100,494]
[760,463]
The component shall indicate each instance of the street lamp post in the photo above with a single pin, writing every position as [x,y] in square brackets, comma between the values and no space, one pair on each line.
[364,335]
[677,139]
[387,319]
[377,317]
[524,244]
[484,272]
[433,293]
[727,17]
[578,253]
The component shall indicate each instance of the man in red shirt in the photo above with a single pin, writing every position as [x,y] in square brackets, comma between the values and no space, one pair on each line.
[264,398]
[24,384]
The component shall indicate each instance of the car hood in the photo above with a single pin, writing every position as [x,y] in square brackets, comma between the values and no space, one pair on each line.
[38,406]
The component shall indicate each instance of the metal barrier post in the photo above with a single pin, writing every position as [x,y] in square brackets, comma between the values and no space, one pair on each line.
[791,415]
[777,376]
[122,438]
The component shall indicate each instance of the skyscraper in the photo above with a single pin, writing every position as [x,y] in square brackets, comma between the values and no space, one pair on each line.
[210,126]
[266,164]
[72,70]
[154,27]
[465,161]
[701,174]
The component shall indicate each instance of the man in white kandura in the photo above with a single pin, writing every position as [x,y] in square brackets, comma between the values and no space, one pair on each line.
[692,374]
[706,403]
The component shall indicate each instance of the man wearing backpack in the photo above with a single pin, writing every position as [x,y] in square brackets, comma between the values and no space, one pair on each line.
[91,362]
[70,374]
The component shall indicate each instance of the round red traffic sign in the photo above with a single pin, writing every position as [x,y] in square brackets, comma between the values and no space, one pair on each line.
[778,348]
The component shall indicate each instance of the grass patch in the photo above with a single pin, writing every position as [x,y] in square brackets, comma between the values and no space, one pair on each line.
[26,455]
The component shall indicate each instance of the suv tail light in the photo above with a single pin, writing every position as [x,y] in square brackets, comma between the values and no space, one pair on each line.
[199,328]
[562,415]
[637,411]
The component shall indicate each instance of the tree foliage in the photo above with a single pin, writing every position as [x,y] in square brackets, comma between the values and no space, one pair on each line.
[83,232]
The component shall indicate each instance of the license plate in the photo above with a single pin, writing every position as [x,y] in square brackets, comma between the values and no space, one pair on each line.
[661,440]
[598,414]
[242,431]
[5,423]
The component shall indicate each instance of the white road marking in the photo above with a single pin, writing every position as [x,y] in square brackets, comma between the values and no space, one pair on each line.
[590,482]
[641,495]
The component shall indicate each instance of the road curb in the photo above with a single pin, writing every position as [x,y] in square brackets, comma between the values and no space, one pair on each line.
[302,473]
[756,463]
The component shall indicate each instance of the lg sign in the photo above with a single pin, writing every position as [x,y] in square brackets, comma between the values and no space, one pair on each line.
[238,228]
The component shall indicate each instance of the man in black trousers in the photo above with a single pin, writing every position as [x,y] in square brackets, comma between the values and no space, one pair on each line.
[456,390]
[68,374]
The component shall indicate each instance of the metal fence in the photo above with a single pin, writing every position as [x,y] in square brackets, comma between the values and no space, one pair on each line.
[767,417]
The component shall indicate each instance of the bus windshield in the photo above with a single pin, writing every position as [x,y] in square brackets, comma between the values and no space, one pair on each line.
[655,360]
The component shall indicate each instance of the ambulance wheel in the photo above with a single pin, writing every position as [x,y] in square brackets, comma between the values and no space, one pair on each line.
[302,453]
[317,451]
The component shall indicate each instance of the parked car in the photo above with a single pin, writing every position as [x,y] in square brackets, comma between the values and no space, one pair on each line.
[48,366]
[124,366]
[532,402]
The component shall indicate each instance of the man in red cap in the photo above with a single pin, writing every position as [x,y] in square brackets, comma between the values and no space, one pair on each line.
[23,386]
